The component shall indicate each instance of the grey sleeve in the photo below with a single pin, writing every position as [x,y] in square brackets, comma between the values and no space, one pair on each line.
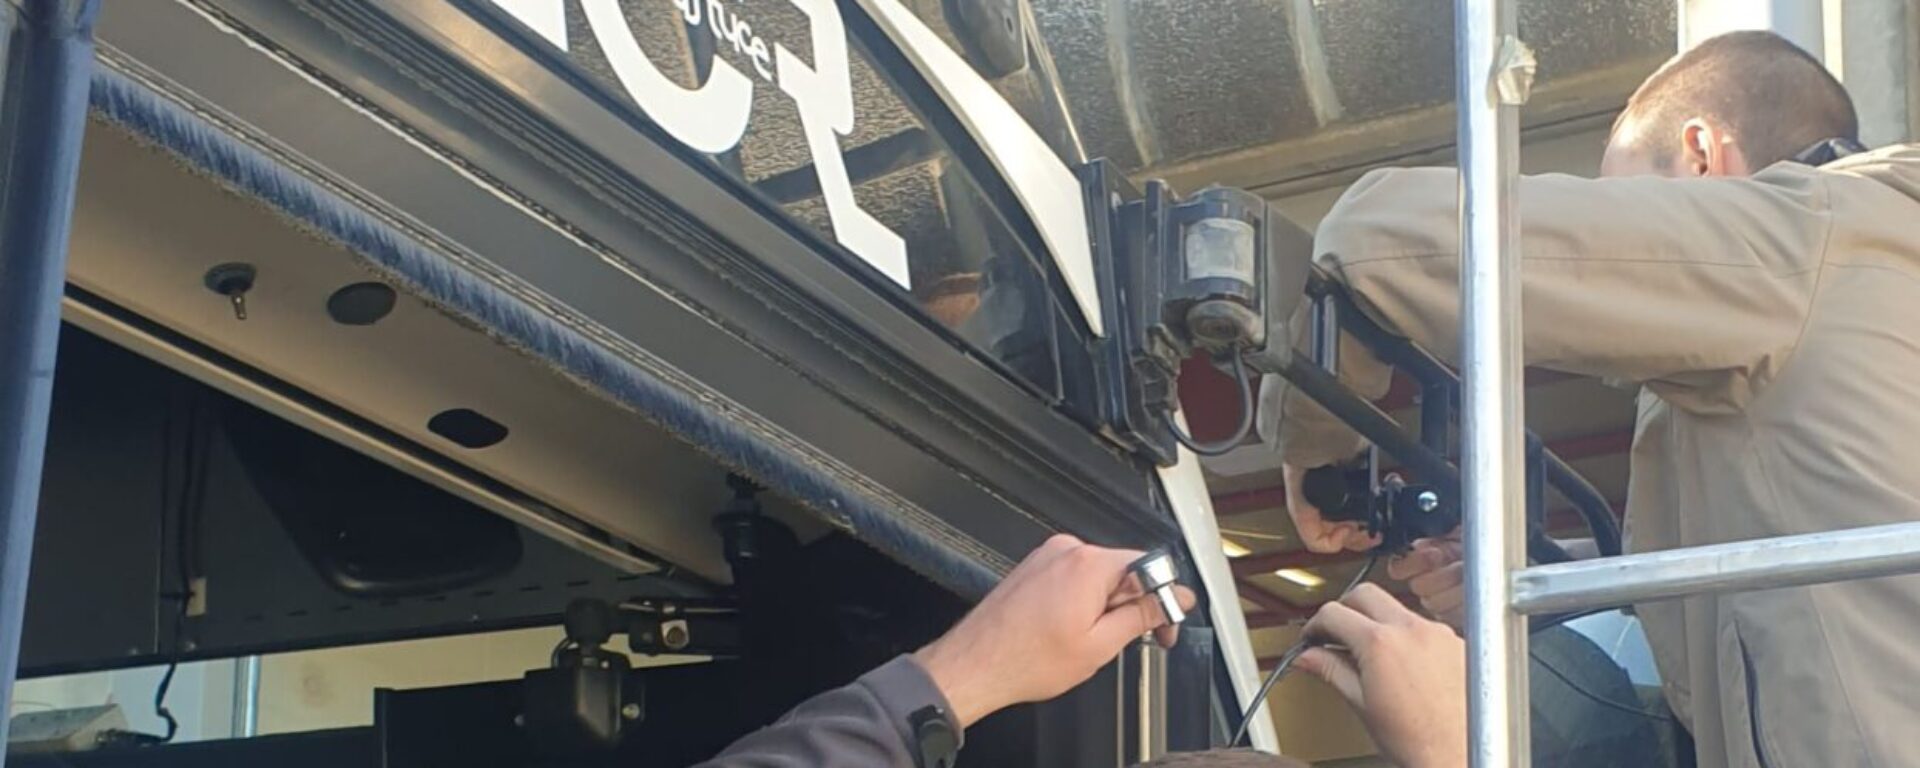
[863,724]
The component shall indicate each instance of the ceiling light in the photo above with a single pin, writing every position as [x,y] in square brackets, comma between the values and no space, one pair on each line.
[1307,579]
[1233,548]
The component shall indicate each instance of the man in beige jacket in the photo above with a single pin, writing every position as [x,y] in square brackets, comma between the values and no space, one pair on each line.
[1768,311]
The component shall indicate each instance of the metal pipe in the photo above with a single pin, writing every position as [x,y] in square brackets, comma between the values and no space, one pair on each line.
[1150,692]
[1439,384]
[1785,561]
[1495,514]
[1371,422]
[48,51]
[1436,416]
[246,697]
[1588,501]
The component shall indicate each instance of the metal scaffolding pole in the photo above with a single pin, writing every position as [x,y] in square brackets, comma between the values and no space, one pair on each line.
[1492,73]
[1785,561]
[47,50]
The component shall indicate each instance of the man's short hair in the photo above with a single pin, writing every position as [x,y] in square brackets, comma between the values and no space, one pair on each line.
[1223,758]
[1771,96]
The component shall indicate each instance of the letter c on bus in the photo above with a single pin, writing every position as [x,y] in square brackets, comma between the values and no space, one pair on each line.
[711,118]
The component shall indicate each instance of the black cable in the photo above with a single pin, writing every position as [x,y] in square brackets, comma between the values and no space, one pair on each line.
[1287,659]
[1247,408]
[191,502]
[1597,698]
[160,702]
[177,505]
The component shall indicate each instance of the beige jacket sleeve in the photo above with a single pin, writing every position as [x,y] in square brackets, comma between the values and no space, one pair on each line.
[1698,288]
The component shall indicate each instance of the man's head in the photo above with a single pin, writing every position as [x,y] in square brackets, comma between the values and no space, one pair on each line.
[1223,758]
[1731,106]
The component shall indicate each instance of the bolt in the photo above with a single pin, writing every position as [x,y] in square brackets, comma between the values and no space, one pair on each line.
[675,635]
[630,711]
[1428,501]
[232,280]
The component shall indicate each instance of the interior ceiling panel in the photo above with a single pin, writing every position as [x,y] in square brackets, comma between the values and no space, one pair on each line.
[146,232]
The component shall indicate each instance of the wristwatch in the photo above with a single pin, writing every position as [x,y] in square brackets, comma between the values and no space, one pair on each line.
[936,743]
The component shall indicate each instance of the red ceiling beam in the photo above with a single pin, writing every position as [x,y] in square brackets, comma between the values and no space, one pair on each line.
[1271,619]
[1211,399]
[1404,390]
[1592,446]
[1270,602]
[1569,519]
[1253,500]
[1400,394]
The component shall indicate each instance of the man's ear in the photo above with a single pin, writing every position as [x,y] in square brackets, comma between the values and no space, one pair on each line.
[1707,150]
[1696,148]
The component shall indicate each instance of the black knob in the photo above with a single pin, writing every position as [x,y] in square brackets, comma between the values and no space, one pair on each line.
[232,280]
[1327,489]
[589,622]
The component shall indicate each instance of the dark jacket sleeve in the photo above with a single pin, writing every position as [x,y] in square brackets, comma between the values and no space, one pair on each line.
[863,724]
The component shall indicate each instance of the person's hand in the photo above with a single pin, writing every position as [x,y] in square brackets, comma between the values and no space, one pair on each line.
[1404,674]
[1434,573]
[1319,534]
[1061,615]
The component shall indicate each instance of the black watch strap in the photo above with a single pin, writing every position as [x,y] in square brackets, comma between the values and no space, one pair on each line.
[936,745]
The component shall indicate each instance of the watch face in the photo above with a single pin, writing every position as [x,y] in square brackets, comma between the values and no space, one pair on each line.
[939,744]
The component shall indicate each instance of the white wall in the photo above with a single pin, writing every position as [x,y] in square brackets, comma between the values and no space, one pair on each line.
[200,698]
[308,690]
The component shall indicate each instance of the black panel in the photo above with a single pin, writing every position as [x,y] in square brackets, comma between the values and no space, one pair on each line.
[348,532]
[692,713]
[118,544]
[342,748]
[94,592]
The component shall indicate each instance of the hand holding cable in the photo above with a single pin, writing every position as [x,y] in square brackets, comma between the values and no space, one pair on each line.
[1405,675]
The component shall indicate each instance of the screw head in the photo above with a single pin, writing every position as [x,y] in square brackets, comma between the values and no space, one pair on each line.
[675,635]
[519,721]
[630,711]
